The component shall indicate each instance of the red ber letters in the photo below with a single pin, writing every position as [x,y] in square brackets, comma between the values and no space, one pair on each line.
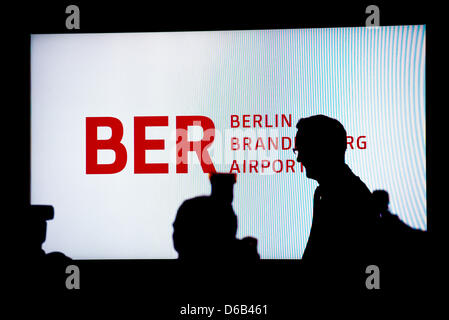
[200,147]
[141,144]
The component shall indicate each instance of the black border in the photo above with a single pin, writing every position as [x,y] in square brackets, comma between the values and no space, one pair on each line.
[137,17]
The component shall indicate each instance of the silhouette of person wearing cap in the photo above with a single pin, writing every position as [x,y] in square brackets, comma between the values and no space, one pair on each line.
[205,227]
[344,224]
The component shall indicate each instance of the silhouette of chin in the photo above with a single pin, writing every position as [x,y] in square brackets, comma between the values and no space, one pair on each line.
[310,172]
[314,171]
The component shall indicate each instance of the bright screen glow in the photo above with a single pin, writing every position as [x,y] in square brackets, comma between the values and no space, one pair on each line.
[371,79]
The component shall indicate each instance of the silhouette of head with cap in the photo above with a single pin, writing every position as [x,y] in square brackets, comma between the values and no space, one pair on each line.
[320,146]
[203,229]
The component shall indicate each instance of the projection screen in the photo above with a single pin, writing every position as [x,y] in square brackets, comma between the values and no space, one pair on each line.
[249,88]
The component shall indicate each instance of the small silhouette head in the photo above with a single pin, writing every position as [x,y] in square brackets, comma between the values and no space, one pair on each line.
[223,186]
[204,228]
[381,200]
[36,222]
[320,145]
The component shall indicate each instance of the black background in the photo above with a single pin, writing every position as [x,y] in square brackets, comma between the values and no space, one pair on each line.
[163,286]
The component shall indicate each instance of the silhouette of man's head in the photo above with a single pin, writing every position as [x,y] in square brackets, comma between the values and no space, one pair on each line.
[381,200]
[320,145]
[204,228]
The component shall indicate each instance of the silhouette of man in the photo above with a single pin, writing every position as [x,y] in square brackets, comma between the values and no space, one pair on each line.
[205,227]
[344,222]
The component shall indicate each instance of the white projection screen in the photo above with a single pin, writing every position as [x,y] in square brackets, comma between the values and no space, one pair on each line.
[371,79]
